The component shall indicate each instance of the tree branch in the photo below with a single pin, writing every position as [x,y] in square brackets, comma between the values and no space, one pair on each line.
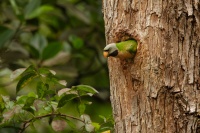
[27,123]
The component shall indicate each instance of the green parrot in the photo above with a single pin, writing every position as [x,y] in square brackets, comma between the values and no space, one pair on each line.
[123,50]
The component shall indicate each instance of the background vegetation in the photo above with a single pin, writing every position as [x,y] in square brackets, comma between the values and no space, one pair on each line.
[50,51]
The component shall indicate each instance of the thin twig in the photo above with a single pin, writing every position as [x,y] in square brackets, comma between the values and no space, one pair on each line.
[27,123]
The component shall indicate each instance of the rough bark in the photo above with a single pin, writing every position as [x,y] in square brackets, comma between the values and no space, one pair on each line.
[158,92]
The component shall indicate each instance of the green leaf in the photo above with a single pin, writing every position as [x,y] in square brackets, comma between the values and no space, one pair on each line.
[32,94]
[81,108]
[105,129]
[31,6]
[41,10]
[5,35]
[48,108]
[85,88]
[15,7]
[30,69]
[96,125]
[77,42]
[51,50]
[70,123]
[2,104]
[25,80]
[33,51]
[42,89]
[22,99]
[29,109]
[50,92]
[51,79]
[66,98]
[103,117]
[28,104]
[29,101]
[45,71]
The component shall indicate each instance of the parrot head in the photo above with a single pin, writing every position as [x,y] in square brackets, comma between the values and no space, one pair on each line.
[110,50]
[123,50]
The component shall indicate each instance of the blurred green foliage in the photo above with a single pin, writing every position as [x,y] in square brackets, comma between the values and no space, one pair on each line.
[63,36]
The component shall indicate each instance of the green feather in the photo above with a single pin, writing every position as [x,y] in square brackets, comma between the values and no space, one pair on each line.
[129,46]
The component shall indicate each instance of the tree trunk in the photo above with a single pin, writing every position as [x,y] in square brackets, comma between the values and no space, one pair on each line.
[159,91]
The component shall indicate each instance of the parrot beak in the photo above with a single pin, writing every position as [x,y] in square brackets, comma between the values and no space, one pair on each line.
[105,54]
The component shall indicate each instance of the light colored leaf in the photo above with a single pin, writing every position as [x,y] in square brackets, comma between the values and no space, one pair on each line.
[90,94]
[89,103]
[39,104]
[9,104]
[58,125]
[89,127]
[5,98]
[16,73]
[81,108]
[88,123]
[62,82]
[10,113]
[86,118]
[62,91]
[53,72]
[66,91]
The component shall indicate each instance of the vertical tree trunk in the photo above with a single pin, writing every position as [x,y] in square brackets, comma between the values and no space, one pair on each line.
[160,91]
